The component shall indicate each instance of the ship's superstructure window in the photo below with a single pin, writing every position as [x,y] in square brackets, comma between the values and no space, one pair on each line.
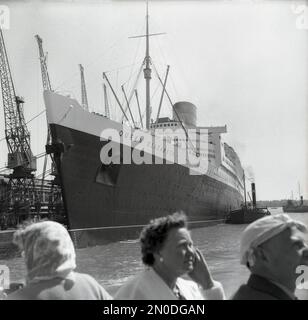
[164,122]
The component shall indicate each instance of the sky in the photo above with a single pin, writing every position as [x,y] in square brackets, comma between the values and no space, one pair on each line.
[243,63]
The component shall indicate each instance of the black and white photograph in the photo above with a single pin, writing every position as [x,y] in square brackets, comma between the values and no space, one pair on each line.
[154,150]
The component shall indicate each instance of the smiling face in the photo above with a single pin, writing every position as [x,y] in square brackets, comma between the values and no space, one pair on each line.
[178,252]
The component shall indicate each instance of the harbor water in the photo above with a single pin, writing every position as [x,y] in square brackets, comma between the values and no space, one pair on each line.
[114,263]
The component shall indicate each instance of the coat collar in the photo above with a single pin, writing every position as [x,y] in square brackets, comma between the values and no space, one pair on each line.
[262,284]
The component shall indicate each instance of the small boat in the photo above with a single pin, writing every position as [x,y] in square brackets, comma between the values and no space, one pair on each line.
[246,215]
[293,207]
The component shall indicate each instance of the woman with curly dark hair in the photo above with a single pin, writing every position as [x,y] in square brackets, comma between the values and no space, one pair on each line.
[168,252]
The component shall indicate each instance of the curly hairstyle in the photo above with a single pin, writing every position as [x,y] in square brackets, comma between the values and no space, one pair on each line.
[154,235]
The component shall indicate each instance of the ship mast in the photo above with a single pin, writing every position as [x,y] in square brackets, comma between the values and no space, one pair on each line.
[147,72]
[244,189]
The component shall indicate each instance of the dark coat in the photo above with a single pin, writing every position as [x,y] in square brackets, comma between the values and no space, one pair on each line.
[259,288]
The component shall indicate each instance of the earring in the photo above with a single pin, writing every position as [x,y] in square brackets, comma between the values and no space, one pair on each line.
[161,259]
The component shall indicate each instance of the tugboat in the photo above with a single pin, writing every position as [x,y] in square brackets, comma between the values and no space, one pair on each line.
[247,214]
[292,207]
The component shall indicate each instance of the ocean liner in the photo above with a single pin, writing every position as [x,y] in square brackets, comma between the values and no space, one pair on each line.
[107,198]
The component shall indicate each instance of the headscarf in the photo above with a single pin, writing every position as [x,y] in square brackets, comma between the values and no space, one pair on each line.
[262,230]
[48,251]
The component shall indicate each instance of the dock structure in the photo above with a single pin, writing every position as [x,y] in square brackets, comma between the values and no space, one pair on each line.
[13,213]
[24,195]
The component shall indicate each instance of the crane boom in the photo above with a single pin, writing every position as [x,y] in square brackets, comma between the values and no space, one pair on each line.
[16,131]
[46,86]
[107,111]
[84,97]
[55,195]
[21,198]
[43,62]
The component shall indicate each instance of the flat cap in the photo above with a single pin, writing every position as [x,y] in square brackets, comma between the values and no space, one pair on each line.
[264,229]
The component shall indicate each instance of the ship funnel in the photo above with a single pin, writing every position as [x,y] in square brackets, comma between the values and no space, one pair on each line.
[253,192]
[187,112]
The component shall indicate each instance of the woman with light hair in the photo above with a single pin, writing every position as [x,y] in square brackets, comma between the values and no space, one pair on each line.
[50,263]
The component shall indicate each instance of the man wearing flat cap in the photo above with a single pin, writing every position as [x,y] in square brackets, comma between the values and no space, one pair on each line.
[272,248]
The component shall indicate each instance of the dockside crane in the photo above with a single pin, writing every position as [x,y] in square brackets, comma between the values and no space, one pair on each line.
[55,203]
[22,197]
[46,86]
[84,96]
[107,110]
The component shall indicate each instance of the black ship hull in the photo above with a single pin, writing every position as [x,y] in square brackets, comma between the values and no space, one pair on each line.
[111,202]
